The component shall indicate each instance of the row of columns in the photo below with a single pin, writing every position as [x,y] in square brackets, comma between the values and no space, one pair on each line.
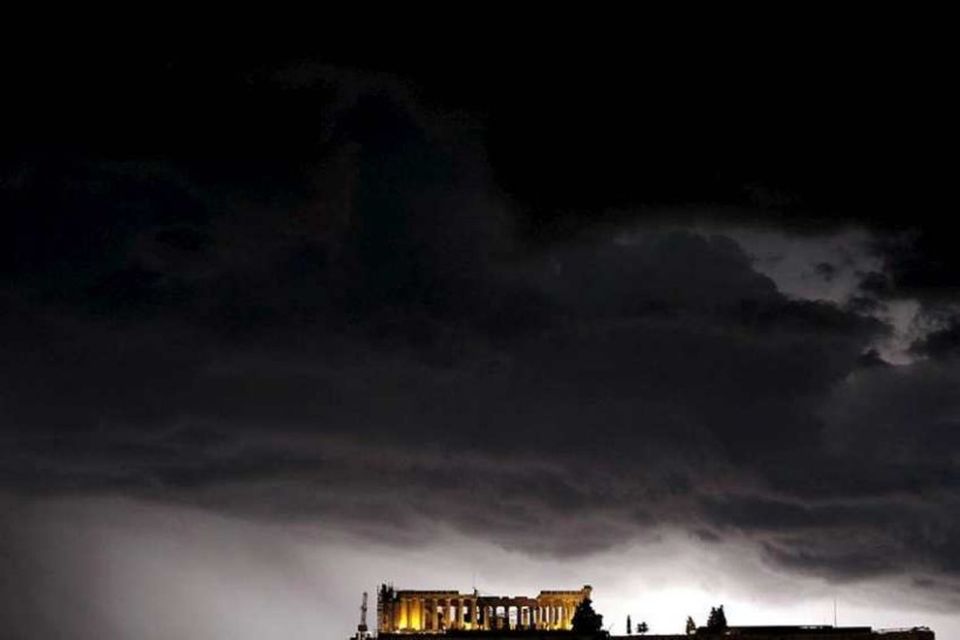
[424,614]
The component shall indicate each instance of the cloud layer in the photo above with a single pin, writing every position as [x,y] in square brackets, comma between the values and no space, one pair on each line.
[366,338]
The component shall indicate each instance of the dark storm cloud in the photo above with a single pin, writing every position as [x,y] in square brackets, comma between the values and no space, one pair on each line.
[366,336]
[941,343]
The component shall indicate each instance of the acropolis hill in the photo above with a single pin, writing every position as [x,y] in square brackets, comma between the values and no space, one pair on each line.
[426,614]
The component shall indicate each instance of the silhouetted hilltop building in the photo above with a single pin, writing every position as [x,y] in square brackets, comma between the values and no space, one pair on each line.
[793,632]
[813,632]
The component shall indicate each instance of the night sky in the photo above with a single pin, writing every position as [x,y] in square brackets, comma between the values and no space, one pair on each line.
[518,313]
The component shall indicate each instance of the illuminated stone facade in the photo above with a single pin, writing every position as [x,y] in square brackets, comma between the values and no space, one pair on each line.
[429,612]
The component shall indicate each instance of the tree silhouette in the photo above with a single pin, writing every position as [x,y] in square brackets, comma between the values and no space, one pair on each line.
[691,626]
[629,626]
[717,620]
[585,619]
[642,628]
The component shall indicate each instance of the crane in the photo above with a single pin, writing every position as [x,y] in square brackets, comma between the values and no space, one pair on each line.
[362,632]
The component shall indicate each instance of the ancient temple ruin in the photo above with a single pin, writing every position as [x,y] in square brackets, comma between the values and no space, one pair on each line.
[442,611]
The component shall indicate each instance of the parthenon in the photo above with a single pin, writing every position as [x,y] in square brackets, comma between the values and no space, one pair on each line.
[422,612]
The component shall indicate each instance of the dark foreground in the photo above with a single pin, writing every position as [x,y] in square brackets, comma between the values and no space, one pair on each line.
[751,633]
